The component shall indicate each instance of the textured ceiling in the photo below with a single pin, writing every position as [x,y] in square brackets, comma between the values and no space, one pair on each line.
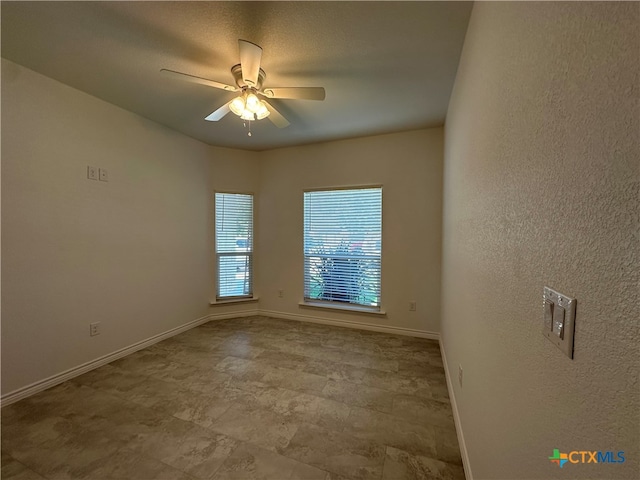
[385,66]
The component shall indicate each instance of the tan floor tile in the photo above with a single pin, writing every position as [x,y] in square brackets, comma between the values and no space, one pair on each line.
[384,340]
[377,362]
[123,421]
[242,368]
[335,476]
[422,410]
[148,392]
[191,449]
[397,383]
[400,465]
[354,344]
[199,409]
[283,360]
[27,436]
[68,455]
[112,380]
[391,381]
[294,380]
[142,362]
[249,462]
[250,393]
[447,446]
[255,425]
[240,349]
[335,371]
[192,377]
[57,401]
[302,471]
[126,464]
[336,452]
[302,407]
[251,387]
[420,369]
[392,431]
[14,470]
[359,395]
[190,356]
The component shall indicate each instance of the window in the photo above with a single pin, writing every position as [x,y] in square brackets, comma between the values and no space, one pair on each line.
[234,245]
[342,246]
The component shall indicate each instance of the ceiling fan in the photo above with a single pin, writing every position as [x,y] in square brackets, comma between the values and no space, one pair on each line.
[249,78]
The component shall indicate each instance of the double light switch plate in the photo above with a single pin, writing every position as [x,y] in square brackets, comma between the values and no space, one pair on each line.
[559,320]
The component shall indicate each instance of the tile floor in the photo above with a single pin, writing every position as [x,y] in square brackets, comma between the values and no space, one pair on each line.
[247,398]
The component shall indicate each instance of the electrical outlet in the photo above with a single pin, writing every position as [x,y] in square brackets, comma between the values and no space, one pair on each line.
[94,329]
[103,175]
[412,306]
[280,293]
[92,172]
[460,375]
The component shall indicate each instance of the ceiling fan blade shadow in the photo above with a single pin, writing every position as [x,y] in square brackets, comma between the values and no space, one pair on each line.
[298,93]
[193,79]
[219,113]
[250,58]
[276,117]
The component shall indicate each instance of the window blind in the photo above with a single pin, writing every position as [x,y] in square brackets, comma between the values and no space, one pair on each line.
[343,246]
[234,244]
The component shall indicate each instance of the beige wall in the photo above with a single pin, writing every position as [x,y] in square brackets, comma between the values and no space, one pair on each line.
[133,253]
[541,188]
[409,167]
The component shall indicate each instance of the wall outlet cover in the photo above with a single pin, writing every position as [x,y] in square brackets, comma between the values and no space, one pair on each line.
[94,329]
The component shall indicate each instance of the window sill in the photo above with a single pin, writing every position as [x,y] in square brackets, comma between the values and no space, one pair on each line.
[234,300]
[343,308]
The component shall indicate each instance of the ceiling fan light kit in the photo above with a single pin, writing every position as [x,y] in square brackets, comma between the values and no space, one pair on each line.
[249,78]
[249,107]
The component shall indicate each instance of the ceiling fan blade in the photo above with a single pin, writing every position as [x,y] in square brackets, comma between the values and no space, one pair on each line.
[299,93]
[276,117]
[250,57]
[219,113]
[193,79]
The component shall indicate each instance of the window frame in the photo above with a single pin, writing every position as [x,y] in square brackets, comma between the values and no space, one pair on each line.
[336,304]
[249,255]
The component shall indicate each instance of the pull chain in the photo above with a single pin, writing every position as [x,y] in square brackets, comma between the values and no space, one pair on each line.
[245,126]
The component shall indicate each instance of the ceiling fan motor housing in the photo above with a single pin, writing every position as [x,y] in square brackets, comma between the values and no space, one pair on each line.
[236,71]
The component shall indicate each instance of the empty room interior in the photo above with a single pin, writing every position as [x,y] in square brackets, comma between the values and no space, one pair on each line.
[320,240]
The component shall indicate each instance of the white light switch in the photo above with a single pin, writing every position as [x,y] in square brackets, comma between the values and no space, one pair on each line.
[104,175]
[559,319]
[548,315]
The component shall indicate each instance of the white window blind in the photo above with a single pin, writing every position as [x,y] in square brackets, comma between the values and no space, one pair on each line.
[234,244]
[343,246]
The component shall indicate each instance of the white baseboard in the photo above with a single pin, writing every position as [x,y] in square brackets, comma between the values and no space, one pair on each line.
[54,380]
[345,323]
[456,417]
[237,313]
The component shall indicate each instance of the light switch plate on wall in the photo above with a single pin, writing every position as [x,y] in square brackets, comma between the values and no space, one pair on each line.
[559,319]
